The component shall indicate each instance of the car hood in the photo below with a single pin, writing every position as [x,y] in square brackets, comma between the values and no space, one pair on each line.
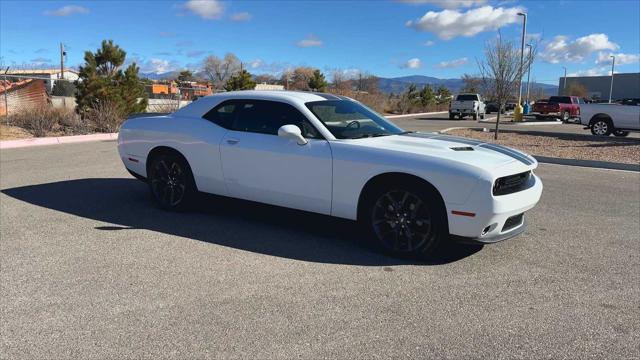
[452,148]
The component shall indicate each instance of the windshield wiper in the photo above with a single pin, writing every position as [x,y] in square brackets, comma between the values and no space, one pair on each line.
[405,132]
[370,135]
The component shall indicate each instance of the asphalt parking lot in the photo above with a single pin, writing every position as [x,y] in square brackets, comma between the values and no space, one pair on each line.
[90,269]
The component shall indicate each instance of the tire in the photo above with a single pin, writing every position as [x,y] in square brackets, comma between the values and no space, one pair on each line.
[171,182]
[451,116]
[475,116]
[620,133]
[601,127]
[565,116]
[405,220]
[482,116]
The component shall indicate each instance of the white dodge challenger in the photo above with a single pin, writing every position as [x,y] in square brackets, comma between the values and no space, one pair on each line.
[332,155]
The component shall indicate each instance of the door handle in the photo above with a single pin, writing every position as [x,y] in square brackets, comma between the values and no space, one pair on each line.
[232,141]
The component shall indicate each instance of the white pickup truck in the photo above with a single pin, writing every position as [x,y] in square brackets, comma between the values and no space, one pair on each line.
[607,119]
[467,105]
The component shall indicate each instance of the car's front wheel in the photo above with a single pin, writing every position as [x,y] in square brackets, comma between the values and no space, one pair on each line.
[171,182]
[405,221]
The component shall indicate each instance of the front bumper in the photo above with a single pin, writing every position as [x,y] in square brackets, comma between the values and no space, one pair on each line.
[494,215]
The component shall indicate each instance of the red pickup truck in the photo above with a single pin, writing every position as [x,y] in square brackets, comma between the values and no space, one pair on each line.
[561,107]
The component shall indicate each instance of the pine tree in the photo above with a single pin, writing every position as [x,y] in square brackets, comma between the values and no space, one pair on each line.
[102,80]
[185,75]
[317,82]
[240,81]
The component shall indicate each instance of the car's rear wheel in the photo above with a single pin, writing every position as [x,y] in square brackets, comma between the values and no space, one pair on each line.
[601,127]
[565,116]
[171,182]
[451,116]
[620,133]
[475,116]
[406,220]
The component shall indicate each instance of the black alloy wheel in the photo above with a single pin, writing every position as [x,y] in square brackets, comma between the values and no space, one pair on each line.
[406,222]
[170,181]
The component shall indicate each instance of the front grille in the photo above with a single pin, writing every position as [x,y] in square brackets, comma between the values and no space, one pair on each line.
[512,222]
[510,184]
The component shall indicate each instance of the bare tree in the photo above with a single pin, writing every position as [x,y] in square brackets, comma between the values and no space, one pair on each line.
[501,72]
[471,84]
[220,70]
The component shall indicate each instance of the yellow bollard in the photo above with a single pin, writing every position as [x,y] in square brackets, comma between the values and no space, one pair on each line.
[517,113]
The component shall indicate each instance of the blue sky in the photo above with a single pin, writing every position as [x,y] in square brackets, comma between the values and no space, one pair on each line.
[437,38]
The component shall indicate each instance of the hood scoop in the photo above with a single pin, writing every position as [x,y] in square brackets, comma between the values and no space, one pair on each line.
[461,148]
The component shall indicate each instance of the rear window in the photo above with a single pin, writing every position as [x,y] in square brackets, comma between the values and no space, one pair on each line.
[466,97]
[560,99]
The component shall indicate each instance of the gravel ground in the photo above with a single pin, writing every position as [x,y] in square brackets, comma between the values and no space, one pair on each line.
[568,146]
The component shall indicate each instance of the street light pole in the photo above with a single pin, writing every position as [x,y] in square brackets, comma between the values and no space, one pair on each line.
[518,110]
[564,82]
[613,64]
[529,69]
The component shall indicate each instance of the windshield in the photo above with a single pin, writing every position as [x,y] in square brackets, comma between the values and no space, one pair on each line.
[348,119]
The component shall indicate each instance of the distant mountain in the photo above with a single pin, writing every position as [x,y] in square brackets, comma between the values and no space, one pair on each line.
[159,76]
[400,84]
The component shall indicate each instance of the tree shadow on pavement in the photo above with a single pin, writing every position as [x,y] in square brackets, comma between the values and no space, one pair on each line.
[125,204]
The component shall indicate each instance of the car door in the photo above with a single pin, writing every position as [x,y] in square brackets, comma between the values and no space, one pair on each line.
[259,165]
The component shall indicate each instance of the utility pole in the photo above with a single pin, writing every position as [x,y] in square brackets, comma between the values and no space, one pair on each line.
[6,90]
[518,110]
[529,69]
[564,83]
[62,54]
[613,64]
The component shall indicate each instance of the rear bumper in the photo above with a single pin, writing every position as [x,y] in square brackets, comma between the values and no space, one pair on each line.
[462,111]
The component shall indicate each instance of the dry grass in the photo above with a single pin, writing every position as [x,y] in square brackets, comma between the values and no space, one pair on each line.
[8,132]
[568,146]
[46,120]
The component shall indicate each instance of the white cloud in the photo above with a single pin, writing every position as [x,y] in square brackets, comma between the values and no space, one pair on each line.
[241,16]
[621,59]
[67,10]
[452,63]
[254,64]
[597,71]
[448,24]
[310,41]
[40,61]
[447,4]
[414,63]
[157,66]
[429,43]
[560,49]
[206,9]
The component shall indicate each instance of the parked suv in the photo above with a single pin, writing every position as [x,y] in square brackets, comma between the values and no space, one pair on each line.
[467,105]
[560,107]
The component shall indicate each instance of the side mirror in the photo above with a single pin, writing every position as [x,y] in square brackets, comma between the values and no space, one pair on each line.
[292,132]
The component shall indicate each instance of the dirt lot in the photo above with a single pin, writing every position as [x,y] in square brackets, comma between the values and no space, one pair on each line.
[13,133]
[569,146]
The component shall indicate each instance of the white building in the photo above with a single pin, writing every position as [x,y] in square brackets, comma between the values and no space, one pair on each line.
[48,75]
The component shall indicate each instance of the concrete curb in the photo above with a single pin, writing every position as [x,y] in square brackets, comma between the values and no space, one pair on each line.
[511,123]
[12,144]
[414,115]
[588,163]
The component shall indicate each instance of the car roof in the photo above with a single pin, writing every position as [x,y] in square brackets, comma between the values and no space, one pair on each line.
[204,104]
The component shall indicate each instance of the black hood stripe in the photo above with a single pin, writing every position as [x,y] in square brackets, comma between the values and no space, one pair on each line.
[497,148]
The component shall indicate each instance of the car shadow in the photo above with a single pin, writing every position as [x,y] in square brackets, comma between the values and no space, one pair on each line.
[125,204]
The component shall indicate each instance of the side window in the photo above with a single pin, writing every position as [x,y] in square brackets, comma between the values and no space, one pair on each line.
[223,114]
[266,117]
